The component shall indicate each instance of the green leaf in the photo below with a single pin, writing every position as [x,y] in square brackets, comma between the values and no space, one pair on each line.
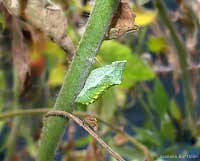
[108,100]
[54,55]
[136,70]
[57,75]
[148,137]
[145,17]
[128,151]
[161,99]
[83,141]
[2,88]
[157,44]
[99,80]
[175,110]
[2,23]
[167,131]
[2,80]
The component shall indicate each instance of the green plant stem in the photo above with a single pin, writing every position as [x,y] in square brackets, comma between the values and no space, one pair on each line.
[142,34]
[23,112]
[79,69]
[148,112]
[182,55]
[11,140]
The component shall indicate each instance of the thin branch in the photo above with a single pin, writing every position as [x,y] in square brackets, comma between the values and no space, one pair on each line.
[137,144]
[26,112]
[167,69]
[87,128]
[23,112]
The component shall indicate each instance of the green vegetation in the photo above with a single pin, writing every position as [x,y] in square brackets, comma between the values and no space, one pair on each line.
[78,82]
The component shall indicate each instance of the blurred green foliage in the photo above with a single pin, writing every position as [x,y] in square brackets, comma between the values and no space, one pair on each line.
[136,70]
[162,128]
[157,44]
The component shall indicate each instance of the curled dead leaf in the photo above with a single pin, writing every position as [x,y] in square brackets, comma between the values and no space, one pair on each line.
[94,153]
[19,49]
[122,22]
[25,39]
[92,122]
[194,78]
[50,20]
[20,54]
[174,62]
[120,139]
[70,147]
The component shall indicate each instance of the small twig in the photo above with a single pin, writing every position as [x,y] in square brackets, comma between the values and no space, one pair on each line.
[87,128]
[137,144]
[23,112]
[167,69]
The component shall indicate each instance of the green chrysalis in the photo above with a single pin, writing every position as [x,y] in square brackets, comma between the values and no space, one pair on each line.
[99,80]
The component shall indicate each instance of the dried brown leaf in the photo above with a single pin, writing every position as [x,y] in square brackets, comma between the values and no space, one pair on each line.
[15,157]
[174,63]
[51,20]
[92,122]
[195,80]
[122,22]
[94,153]
[185,14]
[191,43]
[70,147]
[194,75]
[19,49]
[23,5]
[20,54]
[25,39]
[120,139]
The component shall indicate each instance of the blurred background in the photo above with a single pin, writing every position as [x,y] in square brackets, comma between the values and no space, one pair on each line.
[152,115]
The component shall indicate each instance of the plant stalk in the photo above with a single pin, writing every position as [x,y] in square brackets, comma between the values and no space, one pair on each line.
[79,69]
[23,112]
[182,55]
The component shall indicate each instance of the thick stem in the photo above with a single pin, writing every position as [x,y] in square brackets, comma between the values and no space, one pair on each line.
[182,55]
[98,24]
